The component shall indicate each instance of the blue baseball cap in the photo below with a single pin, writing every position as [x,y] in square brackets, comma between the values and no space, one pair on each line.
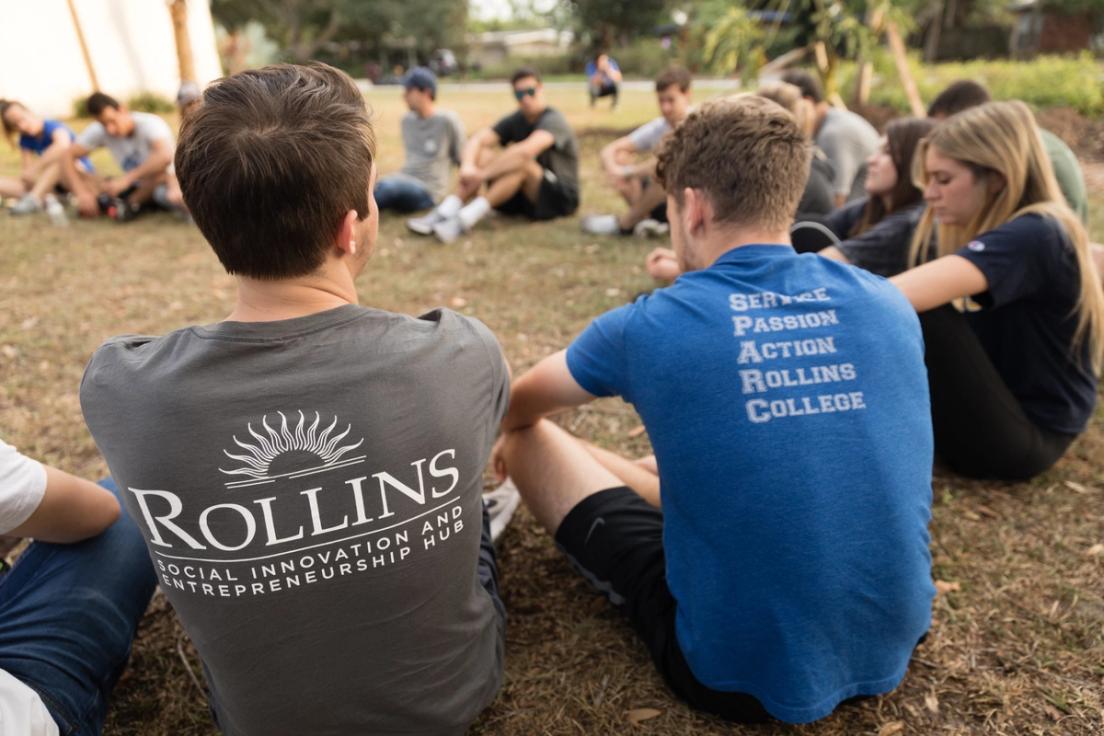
[421,78]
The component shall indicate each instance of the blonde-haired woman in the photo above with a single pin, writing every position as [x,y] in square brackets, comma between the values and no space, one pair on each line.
[1013,370]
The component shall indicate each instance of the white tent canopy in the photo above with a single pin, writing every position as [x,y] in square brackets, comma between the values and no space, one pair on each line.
[130,42]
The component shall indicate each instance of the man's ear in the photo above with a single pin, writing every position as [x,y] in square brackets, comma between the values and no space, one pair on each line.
[346,234]
[696,209]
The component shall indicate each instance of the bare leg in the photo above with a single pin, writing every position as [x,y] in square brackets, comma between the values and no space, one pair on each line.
[632,473]
[553,471]
[12,186]
[48,178]
[649,199]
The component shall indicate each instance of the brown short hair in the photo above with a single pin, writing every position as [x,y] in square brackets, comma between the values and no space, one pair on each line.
[524,73]
[270,162]
[746,153]
[673,75]
[959,96]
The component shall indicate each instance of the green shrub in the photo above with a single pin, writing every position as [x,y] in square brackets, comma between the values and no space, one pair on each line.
[645,58]
[1048,81]
[151,102]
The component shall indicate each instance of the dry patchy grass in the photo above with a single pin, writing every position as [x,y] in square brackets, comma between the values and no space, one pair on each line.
[1017,643]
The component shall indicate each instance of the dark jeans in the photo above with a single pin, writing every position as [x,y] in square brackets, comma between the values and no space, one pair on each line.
[402,195]
[981,431]
[609,89]
[68,614]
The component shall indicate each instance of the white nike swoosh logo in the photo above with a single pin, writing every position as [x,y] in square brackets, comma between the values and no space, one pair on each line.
[597,523]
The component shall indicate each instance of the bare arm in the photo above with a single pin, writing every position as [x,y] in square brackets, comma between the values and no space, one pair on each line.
[517,154]
[69,170]
[72,509]
[940,281]
[546,388]
[58,145]
[161,155]
[611,152]
[484,138]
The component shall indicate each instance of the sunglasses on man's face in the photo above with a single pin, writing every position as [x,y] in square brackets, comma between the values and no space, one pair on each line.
[521,94]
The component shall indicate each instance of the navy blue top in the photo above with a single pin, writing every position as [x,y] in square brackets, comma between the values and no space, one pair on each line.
[1028,319]
[882,249]
[787,402]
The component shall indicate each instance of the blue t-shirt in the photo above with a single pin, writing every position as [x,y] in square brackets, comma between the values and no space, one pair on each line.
[38,144]
[592,67]
[787,402]
[1029,317]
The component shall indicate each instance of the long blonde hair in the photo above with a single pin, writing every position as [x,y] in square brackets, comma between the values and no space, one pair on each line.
[1001,138]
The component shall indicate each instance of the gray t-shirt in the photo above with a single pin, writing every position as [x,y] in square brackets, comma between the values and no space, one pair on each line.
[848,140]
[310,493]
[431,144]
[648,135]
[132,150]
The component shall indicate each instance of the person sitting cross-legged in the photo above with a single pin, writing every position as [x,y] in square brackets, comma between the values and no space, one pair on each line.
[432,140]
[308,472]
[42,142]
[635,182]
[787,568]
[70,605]
[141,144]
[536,174]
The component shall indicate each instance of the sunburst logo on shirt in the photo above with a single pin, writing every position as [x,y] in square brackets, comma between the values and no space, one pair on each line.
[284,452]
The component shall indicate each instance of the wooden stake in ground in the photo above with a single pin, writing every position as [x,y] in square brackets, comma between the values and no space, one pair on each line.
[900,58]
[84,47]
[179,11]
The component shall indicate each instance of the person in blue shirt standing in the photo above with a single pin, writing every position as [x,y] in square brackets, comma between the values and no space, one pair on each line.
[603,79]
[41,143]
[773,555]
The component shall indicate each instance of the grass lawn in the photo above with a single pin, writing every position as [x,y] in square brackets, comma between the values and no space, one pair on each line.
[1017,643]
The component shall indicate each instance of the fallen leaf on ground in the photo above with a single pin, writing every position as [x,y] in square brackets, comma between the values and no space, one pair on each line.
[891,728]
[458,302]
[931,702]
[1077,487]
[639,715]
[942,586]
[1095,551]
[636,431]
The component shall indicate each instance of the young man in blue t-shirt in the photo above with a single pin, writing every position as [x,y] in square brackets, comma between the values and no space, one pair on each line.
[786,400]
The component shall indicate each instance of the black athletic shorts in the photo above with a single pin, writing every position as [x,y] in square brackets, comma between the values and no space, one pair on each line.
[553,200]
[615,540]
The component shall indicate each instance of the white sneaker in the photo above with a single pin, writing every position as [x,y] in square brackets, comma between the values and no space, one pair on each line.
[448,229]
[650,228]
[29,205]
[501,504]
[601,225]
[424,225]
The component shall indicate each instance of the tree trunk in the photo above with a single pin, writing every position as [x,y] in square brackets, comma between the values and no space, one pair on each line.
[897,47]
[935,32]
[179,10]
[84,47]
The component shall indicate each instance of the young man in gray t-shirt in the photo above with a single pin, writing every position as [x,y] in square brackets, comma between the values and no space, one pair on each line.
[307,473]
[847,139]
[432,140]
[141,144]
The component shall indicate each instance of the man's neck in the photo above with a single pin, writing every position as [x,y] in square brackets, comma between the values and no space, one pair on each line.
[536,115]
[822,109]
[269,301]
[721,240]
[427,111]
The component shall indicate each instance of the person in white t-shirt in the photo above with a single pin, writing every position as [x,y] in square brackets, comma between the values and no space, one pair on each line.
[70,605]
[142,144]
